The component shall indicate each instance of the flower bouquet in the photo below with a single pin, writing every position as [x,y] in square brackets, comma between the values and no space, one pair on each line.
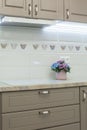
[61,68]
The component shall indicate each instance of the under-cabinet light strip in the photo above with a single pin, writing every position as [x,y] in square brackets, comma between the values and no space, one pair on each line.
[68,27]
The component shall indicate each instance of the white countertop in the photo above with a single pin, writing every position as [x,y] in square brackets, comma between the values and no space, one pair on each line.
[19,85]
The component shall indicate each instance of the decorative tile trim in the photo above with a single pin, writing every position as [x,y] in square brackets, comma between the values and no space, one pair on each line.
[4,45]
[23,46]
[44,46]
[14,45]
[70,47]
[38,46]
[85,48]
[77,48]
[35,46]
[63,47]
[52,47]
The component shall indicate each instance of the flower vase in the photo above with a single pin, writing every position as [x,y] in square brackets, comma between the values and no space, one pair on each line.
[61,75]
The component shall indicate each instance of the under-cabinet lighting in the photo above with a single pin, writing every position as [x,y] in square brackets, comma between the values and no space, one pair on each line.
[67,27]
[6,20]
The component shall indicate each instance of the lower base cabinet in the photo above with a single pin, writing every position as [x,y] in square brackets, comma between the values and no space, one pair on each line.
[52,109]
[67,127]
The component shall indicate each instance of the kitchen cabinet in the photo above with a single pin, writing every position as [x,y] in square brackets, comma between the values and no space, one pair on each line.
[75,10]
[42,9]
[83,101]
[46,109]
[15,8]
[48,9]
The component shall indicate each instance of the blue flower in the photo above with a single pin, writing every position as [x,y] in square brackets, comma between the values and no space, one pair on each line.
[54,66]
[60,65]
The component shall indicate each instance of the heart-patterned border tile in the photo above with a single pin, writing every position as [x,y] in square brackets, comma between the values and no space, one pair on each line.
[23,46]
[4,45]
[35,46]
[52,47]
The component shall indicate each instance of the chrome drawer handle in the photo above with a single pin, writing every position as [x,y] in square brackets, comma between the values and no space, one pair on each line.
[36,9]
[45,92]
[84,95]
[29,9]
[44,112]
[67,13]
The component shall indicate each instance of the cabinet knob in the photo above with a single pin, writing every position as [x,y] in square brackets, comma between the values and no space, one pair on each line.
[36,9]
[44,112]
[29,9]
[44,92]
[67,13]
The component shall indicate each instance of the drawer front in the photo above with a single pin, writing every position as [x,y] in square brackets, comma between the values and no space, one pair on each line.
[42,118]
[66,127]
[28,100]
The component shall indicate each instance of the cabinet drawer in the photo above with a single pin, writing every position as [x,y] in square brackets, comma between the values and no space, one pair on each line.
[66,127]
[28,100]
[38,119]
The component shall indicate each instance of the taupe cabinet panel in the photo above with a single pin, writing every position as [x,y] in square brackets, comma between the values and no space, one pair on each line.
[38,119]
[43,9]
[15,8]
[83,95]
[28,100]
[1,3]
[48,9]
[66,127]
[76,10]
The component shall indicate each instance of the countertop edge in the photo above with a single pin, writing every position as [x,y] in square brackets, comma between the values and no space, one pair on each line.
[9,88]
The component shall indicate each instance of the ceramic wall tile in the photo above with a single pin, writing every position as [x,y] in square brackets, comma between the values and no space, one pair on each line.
[14,73]
[14,60]
[40,72]
[43,59]
[28,53]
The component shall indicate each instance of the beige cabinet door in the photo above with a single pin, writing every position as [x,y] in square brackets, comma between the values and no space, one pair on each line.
[76,10]
[48,9]
[83,100]
[17,8]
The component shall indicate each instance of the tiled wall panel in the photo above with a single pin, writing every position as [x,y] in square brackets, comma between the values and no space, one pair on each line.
[27,53]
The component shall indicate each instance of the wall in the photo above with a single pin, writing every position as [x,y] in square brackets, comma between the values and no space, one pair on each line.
[27,53]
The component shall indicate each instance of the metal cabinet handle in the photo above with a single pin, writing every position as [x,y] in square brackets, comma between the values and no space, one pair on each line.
[84,95]
[67,13]
[29,9]
[36,9]
[44,112]
[44,92]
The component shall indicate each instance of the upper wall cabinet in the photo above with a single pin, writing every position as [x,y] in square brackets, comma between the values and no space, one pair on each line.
[76,10]
[48,9]
[15,7]
[44,9]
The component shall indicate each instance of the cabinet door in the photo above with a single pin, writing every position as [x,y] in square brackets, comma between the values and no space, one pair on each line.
[76,10]
[17,8]
[83,95]
[48,9]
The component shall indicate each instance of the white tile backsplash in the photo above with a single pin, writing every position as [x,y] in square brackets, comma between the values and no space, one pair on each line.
[28,53]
